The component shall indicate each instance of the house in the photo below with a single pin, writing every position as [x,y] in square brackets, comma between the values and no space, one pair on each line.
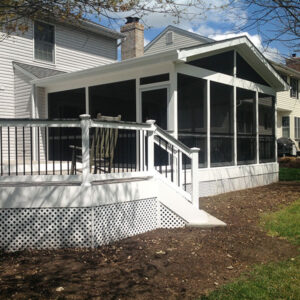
[288,105]
[49,48]
[196,121]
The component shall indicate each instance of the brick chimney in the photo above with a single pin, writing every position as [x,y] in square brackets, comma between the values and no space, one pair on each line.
[293,62]
[133,45]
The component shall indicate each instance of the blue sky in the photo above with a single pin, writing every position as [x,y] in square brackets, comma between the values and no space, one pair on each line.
[214,24]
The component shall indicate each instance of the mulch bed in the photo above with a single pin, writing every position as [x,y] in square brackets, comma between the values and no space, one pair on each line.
[162,264]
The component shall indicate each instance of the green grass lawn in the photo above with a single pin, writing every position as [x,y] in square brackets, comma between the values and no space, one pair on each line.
[289,174]
[274,280]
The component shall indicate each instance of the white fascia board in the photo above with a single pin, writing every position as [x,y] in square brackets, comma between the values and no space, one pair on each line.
[112,67]
[234,43]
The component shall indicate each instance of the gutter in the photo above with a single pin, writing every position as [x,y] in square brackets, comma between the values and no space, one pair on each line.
[172,55]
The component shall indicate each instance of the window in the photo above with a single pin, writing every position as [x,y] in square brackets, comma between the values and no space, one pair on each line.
[266,112]
[44,41]
[297,128]
[221,124]
[246,126]
[286,127]
[245,71]
[294,88]
[169,38]
[192,112]
[221,63]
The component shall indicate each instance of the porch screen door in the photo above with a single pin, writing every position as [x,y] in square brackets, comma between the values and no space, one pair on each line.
[154,106]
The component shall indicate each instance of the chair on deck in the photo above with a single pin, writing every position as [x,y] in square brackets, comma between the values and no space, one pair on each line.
[104,141]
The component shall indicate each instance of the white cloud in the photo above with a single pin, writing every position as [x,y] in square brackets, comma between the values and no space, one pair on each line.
[269,52]
[146,42]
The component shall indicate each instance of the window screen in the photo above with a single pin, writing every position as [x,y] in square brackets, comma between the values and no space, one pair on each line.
[245,71]
[221,122]
[246,126]
[286,127]
[266,112]
[192,112]
[294,88]
[64,105]
[114,99]
[44,41]
[221,63]
[154,106]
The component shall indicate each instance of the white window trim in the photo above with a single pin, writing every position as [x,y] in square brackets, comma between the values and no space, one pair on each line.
[54,50]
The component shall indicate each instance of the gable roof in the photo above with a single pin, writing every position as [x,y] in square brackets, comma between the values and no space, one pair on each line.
[97,28]
[37,72]
[285,69]
[242,44]
[178,30]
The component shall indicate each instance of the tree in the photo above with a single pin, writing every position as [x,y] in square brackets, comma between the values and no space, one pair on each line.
[15,14]
[274,20]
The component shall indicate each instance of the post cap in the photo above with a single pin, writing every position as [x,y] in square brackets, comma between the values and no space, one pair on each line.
[85,117]
[150,121]
[195,149]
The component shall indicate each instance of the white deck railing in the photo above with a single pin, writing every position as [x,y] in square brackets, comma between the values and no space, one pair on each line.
[43,150]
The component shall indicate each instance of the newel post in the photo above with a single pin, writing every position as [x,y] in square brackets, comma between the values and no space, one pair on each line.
[150,146]
[194,176]
[85,132]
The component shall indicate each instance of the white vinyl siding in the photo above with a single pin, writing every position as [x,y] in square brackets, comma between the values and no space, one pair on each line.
[288,106]
[74,50]
[178,41]
[23,95]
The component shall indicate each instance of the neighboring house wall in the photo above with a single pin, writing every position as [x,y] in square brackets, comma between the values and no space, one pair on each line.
[179,40]
[288,106]
[75,49]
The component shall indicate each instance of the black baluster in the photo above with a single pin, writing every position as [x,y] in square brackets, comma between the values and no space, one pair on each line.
[38,145]
[53,149]
[60,150]
[172,153]
[31,151]
[68,147]
[178,167]
[167,162]
[46,150]
[8,148]
[16,148]
[24,153]
[159,156]
[96,133]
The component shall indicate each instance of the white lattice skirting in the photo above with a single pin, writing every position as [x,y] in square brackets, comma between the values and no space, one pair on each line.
[50,228]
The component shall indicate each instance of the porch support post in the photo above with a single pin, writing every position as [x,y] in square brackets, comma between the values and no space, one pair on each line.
[150,138]
[194,176]
[85,126]
[87,101]
[257,127]
[208,122]
[234,111]
[275,128]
